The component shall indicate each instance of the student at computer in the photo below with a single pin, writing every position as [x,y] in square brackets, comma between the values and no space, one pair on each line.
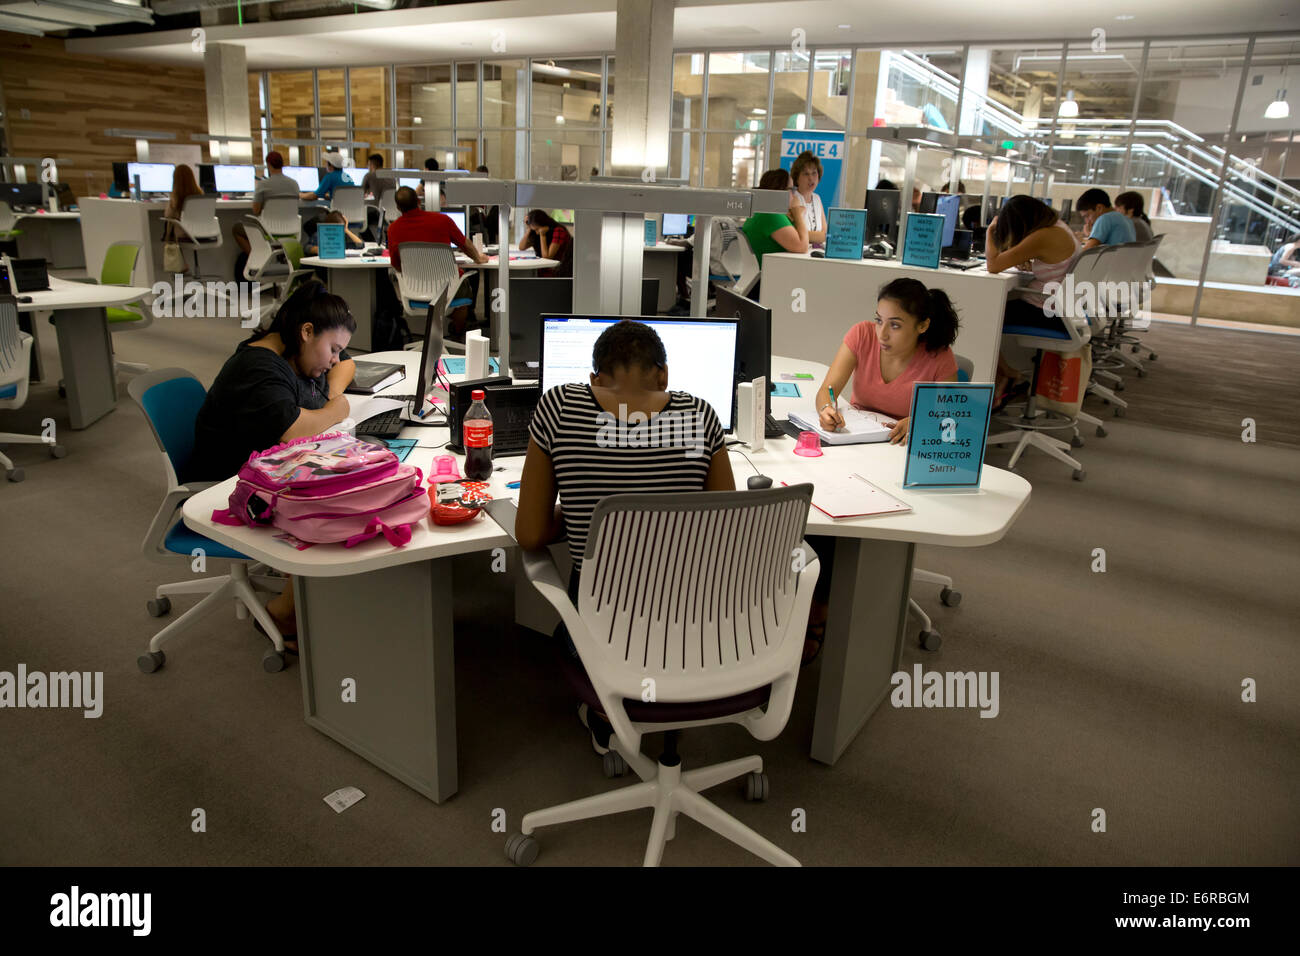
[484,219]
[806,173]
[331,181]
[281,384]
[550,240]
[350,239]
[184,185]
[1286,259]
[1130,204]
[419,225]
[275,185]
[773,231]
[370,183]
[1105,225]
[909,340]
[1029,232]
[571,458]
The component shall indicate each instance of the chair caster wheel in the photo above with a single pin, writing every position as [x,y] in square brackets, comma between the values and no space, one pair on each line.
[1101,431]
[1119,386]
[949,597]
[1142,373]
[58,451]
[1135,349]
[613,764]
[15,475]
[273,661]
[148,663]
[1079,474]
[63,391]
[1151,357]
[158,607]
[1105,401]
[1119,411]
[521,850]
[757,786]
[1076,441]
[931,641]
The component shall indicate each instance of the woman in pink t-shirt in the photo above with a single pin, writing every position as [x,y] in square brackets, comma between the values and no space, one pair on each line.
[907,342]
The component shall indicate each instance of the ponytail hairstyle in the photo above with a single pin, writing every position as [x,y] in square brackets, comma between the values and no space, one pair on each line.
[1132,202]
[309,303]
[921,304]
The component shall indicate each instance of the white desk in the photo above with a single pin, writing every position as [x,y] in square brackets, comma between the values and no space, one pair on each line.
[660,262]
[838,293]
[354,276]
[52,236]
[390,625]
[85,344]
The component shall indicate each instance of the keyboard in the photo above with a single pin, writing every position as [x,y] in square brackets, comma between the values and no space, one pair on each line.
[386,425]
[772,428]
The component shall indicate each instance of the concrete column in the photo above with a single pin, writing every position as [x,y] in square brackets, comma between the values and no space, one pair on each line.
[643,49]
[225,68]
[975,79]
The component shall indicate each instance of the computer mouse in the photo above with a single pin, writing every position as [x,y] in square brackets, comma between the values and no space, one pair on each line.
[757,482]
[818,254]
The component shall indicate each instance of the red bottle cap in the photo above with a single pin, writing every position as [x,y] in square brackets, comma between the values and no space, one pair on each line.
[478,395]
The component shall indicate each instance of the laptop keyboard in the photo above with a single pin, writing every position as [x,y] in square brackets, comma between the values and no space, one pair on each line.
[385,425]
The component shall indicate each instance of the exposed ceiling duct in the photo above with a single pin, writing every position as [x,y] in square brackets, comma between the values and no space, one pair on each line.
[171,8]
[38,17]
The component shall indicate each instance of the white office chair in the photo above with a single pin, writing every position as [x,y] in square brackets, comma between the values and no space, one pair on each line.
[706,624]
[270,266]
[281,218]
[388,210]
[351,201]
[1029,428]
[198,227]
[429,274]
[1096,268]
[170,399]
[15,358]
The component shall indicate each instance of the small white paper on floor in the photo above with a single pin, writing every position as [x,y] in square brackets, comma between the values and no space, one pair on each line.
[343,798]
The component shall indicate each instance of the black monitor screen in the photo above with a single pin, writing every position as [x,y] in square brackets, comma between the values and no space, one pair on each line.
[929,201]
[753,338]
[883,206]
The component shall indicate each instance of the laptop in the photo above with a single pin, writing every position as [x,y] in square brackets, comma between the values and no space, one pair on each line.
[25,275]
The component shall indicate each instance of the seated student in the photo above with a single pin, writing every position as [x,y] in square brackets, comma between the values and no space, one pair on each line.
[550,240]
[275,185]
[1286,260]
[331,181]
[772,231]
[1131,205]
[484,220]
[1028,232]
[908,341]
[882,184]
[281,384]
[569,456]
[419,225]
[350,239]
[1104,225]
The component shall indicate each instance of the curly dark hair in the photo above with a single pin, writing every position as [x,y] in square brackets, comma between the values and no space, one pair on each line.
[628,344]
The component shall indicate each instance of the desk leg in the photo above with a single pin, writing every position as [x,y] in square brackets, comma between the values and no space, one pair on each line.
[391,632]
[357,287]
[86,352]
[864,638]
[30,322]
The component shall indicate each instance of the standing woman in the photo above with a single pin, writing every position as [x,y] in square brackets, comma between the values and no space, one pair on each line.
[1130,204]
[806,173]
[1027,233]
[550,240]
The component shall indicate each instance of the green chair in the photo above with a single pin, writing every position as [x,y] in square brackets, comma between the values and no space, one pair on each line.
[119,269]
[8,234]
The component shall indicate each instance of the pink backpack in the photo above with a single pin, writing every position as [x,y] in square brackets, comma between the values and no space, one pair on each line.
[327,489]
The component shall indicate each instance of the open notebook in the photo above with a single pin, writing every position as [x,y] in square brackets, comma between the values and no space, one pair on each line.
[859,427]
[852,496]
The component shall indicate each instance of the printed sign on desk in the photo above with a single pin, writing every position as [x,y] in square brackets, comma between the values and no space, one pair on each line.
[651,232]
[946,434]
[827,146]
[329,240]
[845,231]
[924,240]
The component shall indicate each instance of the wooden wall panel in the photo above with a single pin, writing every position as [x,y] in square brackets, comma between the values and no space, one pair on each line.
[59,105]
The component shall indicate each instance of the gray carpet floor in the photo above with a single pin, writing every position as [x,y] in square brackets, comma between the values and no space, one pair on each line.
[1119,690]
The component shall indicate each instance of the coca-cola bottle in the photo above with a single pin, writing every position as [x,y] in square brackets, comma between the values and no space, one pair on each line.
[477,428]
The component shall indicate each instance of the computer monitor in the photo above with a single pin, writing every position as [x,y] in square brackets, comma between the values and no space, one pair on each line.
[458,217]
[22,194]
[753,338]
[883,206]
[929,202]
[532,297]
[1004,201]
[1067,210]
[233,179]
[675,224]
[962,244]
[412,182]
[353,174]
[701,354]
[307,177]
[154,177]
[1048,202]
[424,378]
[950,208]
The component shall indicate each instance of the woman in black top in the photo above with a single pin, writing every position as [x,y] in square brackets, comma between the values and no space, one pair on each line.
[279,385]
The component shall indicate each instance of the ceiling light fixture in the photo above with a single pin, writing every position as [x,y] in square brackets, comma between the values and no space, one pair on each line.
[1069,109]
[1124,16]
[1279,108]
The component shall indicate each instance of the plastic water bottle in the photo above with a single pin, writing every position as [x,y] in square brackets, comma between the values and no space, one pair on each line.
[477,428]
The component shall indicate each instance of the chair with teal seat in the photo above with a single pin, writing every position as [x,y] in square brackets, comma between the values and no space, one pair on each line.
[171,399]
[119,269]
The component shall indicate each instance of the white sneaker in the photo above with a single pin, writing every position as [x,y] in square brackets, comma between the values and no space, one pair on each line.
[582,716]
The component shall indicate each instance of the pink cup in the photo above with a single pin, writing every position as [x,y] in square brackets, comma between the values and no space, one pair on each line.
[809,445]
[444,469]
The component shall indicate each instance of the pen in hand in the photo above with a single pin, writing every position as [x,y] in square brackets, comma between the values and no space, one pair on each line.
[835,420]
